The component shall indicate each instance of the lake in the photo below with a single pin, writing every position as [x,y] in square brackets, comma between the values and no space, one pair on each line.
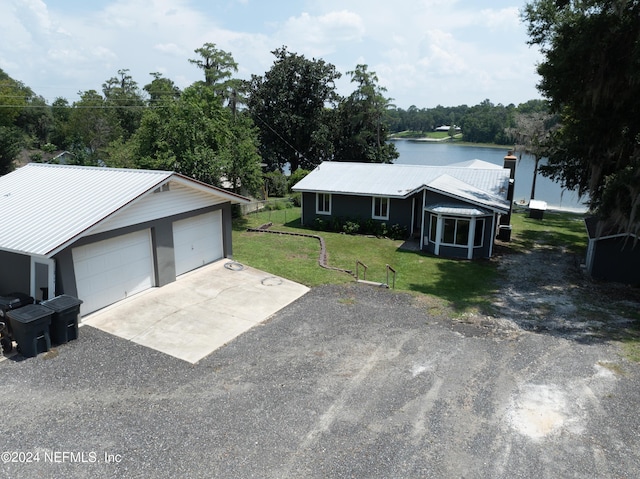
[439,153]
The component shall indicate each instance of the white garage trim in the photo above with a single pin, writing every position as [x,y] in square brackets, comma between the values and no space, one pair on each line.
[197,241]
[110,270]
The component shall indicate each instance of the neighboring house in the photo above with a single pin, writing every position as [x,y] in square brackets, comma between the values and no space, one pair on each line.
[455,210]
[612,256]
[103,234]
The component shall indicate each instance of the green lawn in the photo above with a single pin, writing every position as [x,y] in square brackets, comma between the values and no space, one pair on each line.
[464,285]
[448,287]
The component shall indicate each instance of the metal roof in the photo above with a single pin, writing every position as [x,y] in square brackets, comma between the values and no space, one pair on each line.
[44,208]
[475,181]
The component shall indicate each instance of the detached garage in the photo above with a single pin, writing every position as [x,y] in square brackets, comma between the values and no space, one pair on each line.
[103,234]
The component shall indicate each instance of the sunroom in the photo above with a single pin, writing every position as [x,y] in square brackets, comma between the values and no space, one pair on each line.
[458,231]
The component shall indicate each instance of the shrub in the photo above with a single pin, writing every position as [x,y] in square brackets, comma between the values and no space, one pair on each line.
[398,232]
[351,227]
[296,199]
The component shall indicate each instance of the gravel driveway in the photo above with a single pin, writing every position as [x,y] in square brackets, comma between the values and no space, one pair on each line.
[348,381]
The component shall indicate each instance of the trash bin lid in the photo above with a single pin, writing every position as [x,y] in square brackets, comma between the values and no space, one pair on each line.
[9,302]
[28,313]
[61,303]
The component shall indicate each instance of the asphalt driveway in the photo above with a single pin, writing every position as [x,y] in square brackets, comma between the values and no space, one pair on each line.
[347,381]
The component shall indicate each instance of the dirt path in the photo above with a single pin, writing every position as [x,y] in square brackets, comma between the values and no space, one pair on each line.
[545,290]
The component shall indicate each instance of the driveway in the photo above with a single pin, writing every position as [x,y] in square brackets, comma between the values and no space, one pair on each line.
[347,381]
[201,311]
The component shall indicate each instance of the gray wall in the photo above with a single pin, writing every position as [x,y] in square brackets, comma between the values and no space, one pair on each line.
[14,273]
[360,207]
[162,242]
[613,260]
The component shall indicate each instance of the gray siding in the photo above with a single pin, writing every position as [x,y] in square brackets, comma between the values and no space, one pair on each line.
[14,273]
[360,207]
[162,242]
[613,260]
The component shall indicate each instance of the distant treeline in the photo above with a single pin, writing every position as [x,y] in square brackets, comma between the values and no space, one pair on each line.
[482,123]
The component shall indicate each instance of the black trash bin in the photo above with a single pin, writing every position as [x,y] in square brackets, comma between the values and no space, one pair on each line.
[7,303]
[64,321]
[30,329]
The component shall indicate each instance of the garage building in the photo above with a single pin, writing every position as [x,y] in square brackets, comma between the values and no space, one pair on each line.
[103,234]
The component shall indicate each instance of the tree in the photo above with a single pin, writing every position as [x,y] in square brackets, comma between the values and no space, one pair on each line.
[11,142]
[362,132]
[61,134]
[93,127]
[218,67]
[532,134]
[486,123]
[591,77]
[122,95]
[13,99]
[240,158]
[288,105]
[161,89]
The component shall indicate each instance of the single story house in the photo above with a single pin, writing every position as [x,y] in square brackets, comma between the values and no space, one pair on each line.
[103,234]
[454,210]
[612,256]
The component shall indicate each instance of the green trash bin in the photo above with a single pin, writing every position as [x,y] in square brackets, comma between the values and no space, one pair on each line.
[64,321]
[30,329]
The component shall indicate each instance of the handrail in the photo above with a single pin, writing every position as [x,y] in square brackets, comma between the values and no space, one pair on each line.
[358,262]
[389,268]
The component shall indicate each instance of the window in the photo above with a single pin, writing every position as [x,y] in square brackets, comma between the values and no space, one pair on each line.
[479,236]
[455,231]
[323,203]
[380,208]
[433,229]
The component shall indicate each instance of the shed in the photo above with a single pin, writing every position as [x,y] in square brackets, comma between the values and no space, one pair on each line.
[103,234]
[612,255]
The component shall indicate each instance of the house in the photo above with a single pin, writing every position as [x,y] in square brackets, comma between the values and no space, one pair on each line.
[103,234]
[454,210]
[612,256]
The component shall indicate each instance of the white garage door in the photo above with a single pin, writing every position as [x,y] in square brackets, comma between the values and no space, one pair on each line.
[113,269]
[197,241]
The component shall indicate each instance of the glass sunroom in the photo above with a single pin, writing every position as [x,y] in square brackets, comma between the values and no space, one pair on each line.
[458,231]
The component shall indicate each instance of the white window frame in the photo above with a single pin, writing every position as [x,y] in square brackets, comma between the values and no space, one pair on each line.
[382,200]
[320,200]
[455,231]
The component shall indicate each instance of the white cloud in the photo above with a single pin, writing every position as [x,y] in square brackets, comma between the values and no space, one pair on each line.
[424,51]
[324,33]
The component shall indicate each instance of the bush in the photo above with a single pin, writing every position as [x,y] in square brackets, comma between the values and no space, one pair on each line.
[296,199]
[351,227]
[319,224]
[398,232]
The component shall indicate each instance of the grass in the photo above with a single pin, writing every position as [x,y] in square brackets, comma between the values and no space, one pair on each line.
[442,286]
[465,285]
[557,229]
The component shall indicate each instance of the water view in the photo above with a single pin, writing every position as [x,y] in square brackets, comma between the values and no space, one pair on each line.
[434,153]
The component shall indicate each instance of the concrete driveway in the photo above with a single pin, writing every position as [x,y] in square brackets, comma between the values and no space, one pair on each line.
[201,311]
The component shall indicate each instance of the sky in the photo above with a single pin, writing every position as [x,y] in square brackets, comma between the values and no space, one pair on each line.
[424,52]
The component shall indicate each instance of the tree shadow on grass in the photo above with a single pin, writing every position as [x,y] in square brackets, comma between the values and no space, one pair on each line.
[465,285]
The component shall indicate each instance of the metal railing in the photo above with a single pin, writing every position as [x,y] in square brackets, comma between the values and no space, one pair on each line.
[364,276]
[389,268]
